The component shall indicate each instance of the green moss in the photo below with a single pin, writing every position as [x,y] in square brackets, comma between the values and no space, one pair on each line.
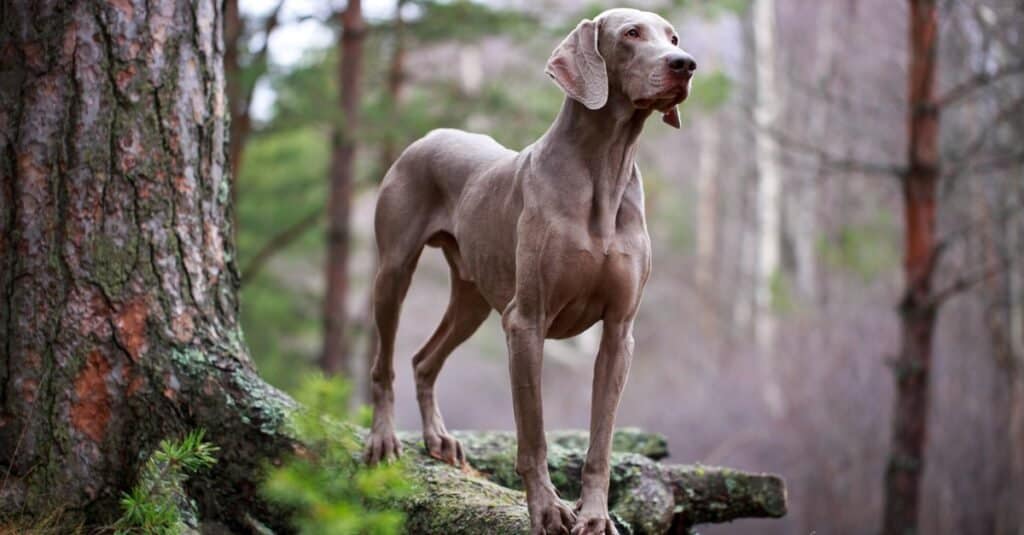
[113,262]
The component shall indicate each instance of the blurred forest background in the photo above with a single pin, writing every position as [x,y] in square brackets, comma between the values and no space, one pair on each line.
[788,288]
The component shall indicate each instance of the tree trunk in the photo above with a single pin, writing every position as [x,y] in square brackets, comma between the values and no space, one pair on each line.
[769,187]
[339,200]
[240,85]
[241,123]
[119,315]
[917,311]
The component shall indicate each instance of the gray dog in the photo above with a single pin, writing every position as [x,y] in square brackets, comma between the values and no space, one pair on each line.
[552,237]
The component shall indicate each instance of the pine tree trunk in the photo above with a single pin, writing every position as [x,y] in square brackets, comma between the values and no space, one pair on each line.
[339,202]
[918,309]
[118,289]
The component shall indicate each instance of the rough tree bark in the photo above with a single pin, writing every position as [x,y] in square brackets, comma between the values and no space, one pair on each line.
[118,290]
[119,309]
[339,198]
[918,307]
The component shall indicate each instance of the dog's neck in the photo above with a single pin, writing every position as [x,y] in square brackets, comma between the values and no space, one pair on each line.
[603,142]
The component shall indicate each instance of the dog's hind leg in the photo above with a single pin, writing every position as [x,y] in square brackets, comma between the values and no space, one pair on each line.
[399,223]
[467,310]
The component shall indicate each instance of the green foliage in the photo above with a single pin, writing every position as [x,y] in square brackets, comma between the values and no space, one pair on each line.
[283,180]
[465,20]
[711,90]
[866,249]
[158,503]
[306,94]
[326,485]
[281,168]
[713,8]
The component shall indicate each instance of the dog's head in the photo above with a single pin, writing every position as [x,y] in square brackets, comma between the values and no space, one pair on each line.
[629,52]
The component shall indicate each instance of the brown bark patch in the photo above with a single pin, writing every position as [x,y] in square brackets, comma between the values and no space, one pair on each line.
[70,35]
[131,327]
[125,77]
[34,57]
[135,385]
[182,184]
[91,409]
[183,327]
[29,389]
[33,360]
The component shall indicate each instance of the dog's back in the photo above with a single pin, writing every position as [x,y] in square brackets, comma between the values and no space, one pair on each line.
[445,159]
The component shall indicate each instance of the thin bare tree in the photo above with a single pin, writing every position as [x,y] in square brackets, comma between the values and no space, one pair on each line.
[769,197]
[334,358]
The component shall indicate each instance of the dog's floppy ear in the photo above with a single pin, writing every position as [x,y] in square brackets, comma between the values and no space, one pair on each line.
[671,117]
[578,68]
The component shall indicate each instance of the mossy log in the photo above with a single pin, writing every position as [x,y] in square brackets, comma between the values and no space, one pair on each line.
[647,497]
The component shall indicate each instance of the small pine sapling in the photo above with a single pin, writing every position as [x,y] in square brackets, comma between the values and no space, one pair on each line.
[157,504]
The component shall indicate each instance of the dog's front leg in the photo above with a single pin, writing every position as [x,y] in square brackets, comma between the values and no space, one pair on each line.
[610,371]
[525,336]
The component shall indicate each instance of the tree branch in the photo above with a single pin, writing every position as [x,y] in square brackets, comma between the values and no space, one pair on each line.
[277,243]
[965,282]
[978,81]
[834,163]
[963,161]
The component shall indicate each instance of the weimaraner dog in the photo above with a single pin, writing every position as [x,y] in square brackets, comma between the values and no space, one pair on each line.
[552,237]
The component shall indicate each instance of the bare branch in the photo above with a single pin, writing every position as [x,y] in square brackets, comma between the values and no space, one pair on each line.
[963,161]
[965,282]
[978,81]
[835,163]
[278,242]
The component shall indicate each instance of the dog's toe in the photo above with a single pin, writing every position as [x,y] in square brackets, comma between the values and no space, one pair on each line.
[445,447]
[382,447]
[594,525]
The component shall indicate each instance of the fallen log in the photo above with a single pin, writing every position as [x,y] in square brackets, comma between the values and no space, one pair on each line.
[646,497]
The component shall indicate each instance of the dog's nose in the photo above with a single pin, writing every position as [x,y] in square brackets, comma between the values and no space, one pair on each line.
[682,63]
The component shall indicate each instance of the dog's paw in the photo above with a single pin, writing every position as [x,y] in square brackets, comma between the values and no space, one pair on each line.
[549,516]
[592,517]
[382,446]
[442,446]
[594,525]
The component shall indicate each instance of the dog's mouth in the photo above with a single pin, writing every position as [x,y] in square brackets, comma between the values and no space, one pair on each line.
[665,100]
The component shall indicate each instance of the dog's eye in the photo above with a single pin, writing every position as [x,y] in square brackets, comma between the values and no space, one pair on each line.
[675,41]
[634,33]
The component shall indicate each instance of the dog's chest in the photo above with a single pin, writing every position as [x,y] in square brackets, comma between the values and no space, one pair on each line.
[596,276]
